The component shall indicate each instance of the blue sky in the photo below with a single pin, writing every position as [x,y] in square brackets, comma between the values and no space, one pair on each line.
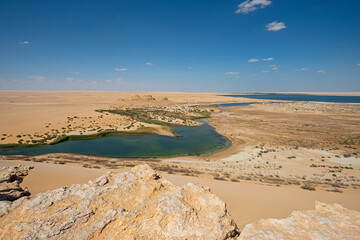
[188,45]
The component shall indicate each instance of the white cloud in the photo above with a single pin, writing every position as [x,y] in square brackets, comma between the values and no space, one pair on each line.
[37,77]
[148,63]
[302,69]
[189,67]
[121,69]
[358,64]
[69,79]
[275,26]
[74,73]
[236,77]
[251,5]
[321,71]
[253,60]
[266,71]
[232,73]
[24,42]
[118,80]
[268,59]
[274,67]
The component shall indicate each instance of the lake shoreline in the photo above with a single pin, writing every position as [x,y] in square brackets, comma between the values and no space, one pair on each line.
[299,97]
[262,148]
[302,93]
[36,150]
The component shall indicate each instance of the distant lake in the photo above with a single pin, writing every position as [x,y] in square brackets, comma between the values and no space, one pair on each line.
[195,140]
[226,105]
[301,97]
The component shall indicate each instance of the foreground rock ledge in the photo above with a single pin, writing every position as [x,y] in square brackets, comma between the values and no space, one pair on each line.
[132,205]
[10,179]
[327,221]
[141,205]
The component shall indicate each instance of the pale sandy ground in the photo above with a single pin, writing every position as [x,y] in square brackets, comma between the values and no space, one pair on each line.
[246,202]
[314,143]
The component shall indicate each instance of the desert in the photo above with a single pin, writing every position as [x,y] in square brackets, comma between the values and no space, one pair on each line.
[318,161]
[180,120]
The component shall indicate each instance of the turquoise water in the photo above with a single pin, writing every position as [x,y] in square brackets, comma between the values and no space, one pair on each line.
[301,97]
[196,140]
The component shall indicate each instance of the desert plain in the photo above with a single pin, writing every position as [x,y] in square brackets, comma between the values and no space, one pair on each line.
[284,156]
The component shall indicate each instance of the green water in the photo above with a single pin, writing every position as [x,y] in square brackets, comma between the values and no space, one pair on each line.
[196,140]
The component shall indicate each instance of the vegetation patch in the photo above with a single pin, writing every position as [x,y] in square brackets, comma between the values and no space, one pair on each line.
[308,187]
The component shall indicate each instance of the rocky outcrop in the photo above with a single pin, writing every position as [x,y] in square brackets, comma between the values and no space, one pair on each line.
[10,178]
[132,205]
[327,221]
[10,190]
[148,97]
[144,98]
[135,98]
[141,205]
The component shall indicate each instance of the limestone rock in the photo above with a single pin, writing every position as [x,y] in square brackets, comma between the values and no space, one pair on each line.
[132,205]
[141,205]
[143,98]
[327,221]
[10,179]
[135,98]
[148,97]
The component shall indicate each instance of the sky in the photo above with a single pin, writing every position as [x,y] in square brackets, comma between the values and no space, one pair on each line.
[188,45]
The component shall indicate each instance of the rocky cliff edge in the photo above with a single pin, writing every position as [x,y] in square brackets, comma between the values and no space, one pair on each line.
[132,205]
[141,205]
